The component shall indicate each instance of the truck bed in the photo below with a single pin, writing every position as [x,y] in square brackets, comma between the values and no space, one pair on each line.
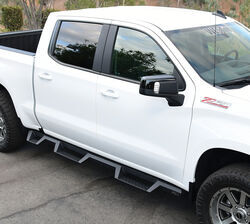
[22,40]
[17,51]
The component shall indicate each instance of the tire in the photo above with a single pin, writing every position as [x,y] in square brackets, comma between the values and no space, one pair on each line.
[12,134]
[225,196]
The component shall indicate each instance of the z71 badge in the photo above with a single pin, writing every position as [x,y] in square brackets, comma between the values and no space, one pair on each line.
[215,102]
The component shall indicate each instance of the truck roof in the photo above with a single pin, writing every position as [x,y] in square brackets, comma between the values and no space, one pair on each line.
[164,17]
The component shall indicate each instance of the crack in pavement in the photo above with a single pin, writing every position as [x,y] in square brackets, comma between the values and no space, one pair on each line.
[88,188]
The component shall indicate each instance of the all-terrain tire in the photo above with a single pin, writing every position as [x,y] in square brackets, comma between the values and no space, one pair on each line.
[14,136]
[227,179]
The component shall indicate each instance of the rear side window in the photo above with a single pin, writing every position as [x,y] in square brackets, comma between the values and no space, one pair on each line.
[76,43]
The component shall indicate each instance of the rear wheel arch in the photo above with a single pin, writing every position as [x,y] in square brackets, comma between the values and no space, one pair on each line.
[3,88]
[12,132]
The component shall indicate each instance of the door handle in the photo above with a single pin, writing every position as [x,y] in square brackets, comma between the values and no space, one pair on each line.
[110,93]
[45,76]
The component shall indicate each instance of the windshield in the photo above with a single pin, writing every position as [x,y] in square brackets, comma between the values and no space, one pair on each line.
[230,58]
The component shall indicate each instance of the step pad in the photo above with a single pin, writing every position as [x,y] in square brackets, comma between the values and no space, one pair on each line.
[135,183]
[136,178]
[69,156]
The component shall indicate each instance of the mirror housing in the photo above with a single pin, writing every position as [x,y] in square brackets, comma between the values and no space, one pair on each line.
[165,86]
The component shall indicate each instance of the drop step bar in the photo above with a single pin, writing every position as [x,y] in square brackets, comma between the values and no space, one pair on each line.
[124,174]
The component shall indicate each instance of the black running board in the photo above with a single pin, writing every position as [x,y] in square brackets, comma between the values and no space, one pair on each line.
[123,173]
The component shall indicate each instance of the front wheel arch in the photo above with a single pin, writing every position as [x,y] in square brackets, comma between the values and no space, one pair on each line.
[213,160]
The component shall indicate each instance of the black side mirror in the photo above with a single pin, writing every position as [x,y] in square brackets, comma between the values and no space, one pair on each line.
[162,86]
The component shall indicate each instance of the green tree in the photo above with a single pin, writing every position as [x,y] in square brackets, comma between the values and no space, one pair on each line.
[6,2]
[232,13]
[33,11]
[12,17]
[3,2]
[211,5]
[81,4]
[78,4]
[245,12]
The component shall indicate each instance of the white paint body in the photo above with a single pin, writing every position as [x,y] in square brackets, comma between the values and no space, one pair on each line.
[138,131]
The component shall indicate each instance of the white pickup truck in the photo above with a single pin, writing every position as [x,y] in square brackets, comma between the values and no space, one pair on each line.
[160,94]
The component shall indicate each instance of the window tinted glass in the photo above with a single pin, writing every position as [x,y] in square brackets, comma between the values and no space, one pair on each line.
[76,43]
[136,55]
[216,60]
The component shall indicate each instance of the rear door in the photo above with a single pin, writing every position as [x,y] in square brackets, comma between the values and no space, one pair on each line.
[65,81]
[143,132]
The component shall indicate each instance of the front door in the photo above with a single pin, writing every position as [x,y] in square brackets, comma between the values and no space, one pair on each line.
[143,132]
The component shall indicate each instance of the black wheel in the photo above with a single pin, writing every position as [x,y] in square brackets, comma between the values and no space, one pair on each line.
[224,198]
[12,133]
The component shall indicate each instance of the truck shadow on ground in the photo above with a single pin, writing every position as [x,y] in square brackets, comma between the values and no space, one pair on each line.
[38,186]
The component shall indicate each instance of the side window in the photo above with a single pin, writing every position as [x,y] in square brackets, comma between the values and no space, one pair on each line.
[136,55]
[76,43]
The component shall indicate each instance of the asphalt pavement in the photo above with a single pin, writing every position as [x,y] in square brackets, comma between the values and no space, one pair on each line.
[38,186]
